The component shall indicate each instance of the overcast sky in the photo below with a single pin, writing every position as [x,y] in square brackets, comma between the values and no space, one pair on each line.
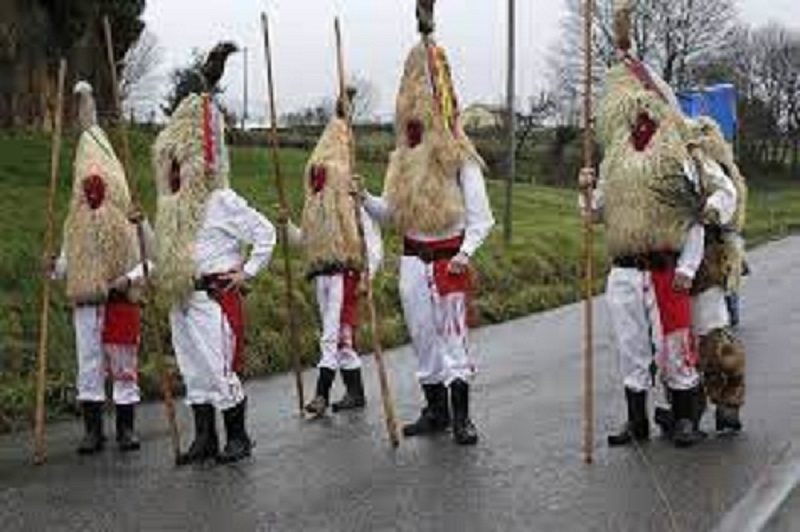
[377,35]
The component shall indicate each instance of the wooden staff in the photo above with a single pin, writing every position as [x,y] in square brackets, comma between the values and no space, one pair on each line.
[164,374]
[39,448]
[283,228]
[383,378]
[588,241]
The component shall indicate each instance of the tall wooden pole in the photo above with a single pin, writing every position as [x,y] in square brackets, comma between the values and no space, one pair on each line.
[512,121]
[164,374]
[588,239]
[39,447]
[383,378]
[283,228]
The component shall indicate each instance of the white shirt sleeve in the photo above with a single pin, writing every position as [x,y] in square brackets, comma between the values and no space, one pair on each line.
[251,227]
[137,273]
[295,234]
[692,252]
[597,200]
[60,268]
[377,207]
[724,199]
[597,204]
[478,217]
[374,242]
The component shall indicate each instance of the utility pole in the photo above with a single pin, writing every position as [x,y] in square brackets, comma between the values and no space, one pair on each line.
[244,90]
[512,122]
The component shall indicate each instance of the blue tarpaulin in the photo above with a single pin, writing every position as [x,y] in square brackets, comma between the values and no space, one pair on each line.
[717,101]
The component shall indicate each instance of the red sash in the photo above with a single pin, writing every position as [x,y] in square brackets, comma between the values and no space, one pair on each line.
[233,310]
[122,324]
[448,283]
[674,308]
[466,283]
[349,314]
[208,133]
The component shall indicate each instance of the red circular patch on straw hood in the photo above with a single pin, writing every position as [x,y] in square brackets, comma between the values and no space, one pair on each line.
[643,131]
[414,133]
[94,190]
[174,177]
[317,178]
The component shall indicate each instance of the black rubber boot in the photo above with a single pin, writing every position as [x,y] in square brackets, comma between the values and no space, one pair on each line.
[727,419]
[238,445]
[685,404]
[435,416]
[319,404]
[638,426]
[354,395]
[93,439]
[127,440]
[205,446]
[665,420]
[464,432]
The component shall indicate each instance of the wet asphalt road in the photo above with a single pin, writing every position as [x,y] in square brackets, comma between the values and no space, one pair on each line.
[527,473]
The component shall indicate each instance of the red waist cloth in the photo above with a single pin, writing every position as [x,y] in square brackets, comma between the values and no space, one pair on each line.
[447,283]
[122,324]
[674,308]
[349,314]
[233,310]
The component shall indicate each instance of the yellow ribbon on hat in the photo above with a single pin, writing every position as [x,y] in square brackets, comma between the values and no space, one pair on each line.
[442,83]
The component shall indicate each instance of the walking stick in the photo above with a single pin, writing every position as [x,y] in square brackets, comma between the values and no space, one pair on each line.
[284,230]
[39,449]
[164,374]
[383,378]
[588,242]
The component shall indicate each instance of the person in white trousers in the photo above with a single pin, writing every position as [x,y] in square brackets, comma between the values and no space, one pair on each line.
[100,262]
[202,229]
[652,201]
[332,246]
[435,194]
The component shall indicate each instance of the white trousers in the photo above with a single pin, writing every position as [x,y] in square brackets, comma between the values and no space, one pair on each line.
[204,345]
[336,341]
[96,361]
[709,311]
[639,336]
[437,325]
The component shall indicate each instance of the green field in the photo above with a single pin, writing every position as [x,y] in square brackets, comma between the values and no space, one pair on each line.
[539,270]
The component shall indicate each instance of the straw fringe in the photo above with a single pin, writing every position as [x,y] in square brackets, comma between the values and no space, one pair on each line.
[180,215]
[422,182]
[330,230]
[100,245]
[637,184]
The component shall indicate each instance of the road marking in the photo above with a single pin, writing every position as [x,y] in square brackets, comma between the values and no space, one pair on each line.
[765,497]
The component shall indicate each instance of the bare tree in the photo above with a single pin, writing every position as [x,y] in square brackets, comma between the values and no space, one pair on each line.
[314,115]
[764,64]
[776,83]
[670,36]
[366,98]
[139,83]
[541,108]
